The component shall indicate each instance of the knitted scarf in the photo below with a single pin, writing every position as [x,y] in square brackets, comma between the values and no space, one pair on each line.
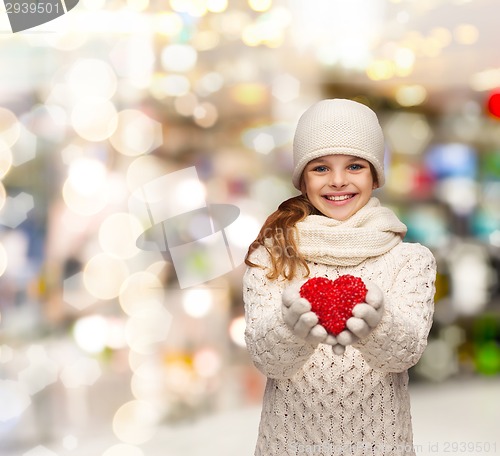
[370,232]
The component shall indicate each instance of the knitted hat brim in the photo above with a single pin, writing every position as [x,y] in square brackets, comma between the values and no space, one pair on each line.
[299,168]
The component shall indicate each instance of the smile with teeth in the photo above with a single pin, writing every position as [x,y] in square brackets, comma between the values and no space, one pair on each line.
[338,198]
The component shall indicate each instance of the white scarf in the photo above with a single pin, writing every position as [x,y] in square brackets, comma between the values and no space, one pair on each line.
[370,232]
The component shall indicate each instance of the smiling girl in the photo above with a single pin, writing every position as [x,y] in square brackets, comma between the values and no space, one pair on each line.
[343,394]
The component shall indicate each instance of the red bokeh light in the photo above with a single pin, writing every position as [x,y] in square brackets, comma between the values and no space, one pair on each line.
[494,104]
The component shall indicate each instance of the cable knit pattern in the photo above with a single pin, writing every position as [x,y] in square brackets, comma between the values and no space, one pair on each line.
[356,404]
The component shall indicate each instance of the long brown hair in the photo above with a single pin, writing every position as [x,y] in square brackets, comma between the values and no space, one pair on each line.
[278,236]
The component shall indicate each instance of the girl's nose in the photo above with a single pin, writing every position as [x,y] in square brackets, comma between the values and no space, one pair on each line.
[338,179]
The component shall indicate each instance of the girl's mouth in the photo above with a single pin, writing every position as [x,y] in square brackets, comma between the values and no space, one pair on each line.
[339,197]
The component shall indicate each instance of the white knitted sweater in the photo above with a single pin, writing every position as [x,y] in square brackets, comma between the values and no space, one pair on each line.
[319,403]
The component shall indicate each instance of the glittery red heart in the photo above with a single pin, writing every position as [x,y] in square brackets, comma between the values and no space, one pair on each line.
[333,300]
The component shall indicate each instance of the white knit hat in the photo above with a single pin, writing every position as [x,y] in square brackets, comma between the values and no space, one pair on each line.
[338,126]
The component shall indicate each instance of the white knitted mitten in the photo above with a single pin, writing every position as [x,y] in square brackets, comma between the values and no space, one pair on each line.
[300,319]
[366,316]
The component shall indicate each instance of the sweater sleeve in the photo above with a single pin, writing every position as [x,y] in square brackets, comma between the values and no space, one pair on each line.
[273,347]
[399,340]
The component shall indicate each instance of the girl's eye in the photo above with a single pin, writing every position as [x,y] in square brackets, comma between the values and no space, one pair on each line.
[355,167]
[320,168]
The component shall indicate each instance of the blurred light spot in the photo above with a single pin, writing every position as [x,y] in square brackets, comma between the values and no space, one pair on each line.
[431,47]
[466,34]
[408,133]
[249,93]
[134,59]
[116,339]
[86,176]
[207,362]
[209,83]
[442,35]
[264,143]
[197,303]
[186,104]
[380,70]
[70,442]
[91,333]
[9,127]
[488,358]
[80,372]
[262,31]
[173,85]
[231,23]
[180,377]
[75,294]
[118,233]
[195,8]
[71,40]
[411,95]
[123,450]
[136,422]
[24,149]
[485,80]
[469,271]
[169,195]
[455,160]
[205,40]
[5,159]
[216,6]
[138,5]
[403,17]
[286,88]
[92,78]
[260,5]
[6,353]
[402,177]
[493,104]
[93,5]
[144,169]
[169,24]
[94,119]
[145,385]
[141,291]
[494,238]
[40,450]
[15,209]
[404,59]
[179,57]
[104,275]
[3,196]
[84,204]
[14,399]
[240,234]
[145,330]
[205,115]
[41,371]
[237,331]
[461,193]
[136,133]
[438,361]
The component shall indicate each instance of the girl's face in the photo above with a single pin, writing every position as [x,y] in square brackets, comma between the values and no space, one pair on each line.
[338,185]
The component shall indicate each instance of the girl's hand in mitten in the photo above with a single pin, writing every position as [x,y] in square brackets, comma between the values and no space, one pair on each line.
[366,316]
[300,319]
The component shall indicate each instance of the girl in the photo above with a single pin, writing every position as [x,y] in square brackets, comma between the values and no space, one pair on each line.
[344,394]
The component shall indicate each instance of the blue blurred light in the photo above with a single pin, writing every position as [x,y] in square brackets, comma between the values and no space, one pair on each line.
[452,160]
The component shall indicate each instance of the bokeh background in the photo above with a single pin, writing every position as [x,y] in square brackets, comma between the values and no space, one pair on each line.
[102,350]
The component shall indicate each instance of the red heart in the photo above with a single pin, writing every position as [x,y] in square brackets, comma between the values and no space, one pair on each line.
[333,300]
